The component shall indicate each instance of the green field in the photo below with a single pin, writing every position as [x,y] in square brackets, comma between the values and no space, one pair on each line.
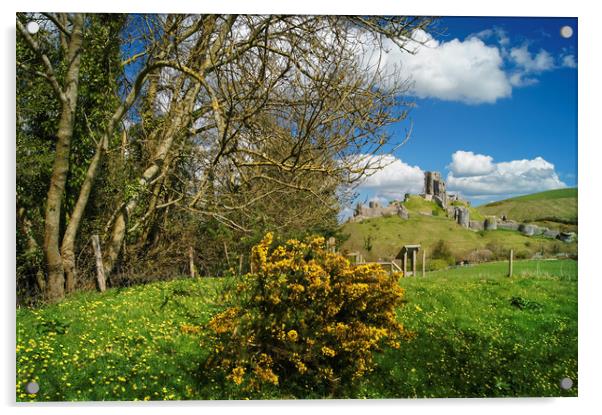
[383,238]
[478,333]
[554,208]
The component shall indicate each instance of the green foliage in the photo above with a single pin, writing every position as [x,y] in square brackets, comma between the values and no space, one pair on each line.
[38,114]
[436,264]
[442,251]
[368,243]
[306,322]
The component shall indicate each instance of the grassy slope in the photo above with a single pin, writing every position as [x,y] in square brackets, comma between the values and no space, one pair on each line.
[388,234]
[470,340]
[554,207]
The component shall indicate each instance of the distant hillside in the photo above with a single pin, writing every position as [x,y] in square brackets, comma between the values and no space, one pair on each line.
[554,208]
[383,237]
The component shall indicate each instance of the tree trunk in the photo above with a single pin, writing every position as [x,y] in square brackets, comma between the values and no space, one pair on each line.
[32,245]
[68,245]
[181,117]
[55,287]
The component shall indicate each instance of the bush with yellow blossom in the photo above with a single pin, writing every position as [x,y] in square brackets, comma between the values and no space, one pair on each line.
[306,321]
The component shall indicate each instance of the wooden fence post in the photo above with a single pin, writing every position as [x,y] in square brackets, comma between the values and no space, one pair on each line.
[423,262]
[405,262]
[510,264]
[100,269]
[240,260]
[191,262]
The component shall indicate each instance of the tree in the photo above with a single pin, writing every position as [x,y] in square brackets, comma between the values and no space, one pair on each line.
[225,121]
[274,105]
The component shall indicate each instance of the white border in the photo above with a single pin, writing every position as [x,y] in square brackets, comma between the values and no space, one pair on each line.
[590,287]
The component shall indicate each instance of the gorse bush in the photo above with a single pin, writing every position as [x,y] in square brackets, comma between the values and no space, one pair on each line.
[306,321]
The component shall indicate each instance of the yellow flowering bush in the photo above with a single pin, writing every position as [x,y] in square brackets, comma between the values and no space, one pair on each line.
[306,320]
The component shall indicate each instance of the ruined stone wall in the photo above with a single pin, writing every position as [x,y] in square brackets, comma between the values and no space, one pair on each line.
[374,210]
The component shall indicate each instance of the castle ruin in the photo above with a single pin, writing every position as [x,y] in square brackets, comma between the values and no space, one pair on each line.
[374,209]
[434,190]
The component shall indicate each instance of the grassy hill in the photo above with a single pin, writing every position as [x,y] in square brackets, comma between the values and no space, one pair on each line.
[554,208]
[383,237]
[477,333]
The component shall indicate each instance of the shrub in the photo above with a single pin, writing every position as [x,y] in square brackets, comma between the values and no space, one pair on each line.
[306,320]
[522,254]
[442,251]
[480,255]
[499,252]
[436,264]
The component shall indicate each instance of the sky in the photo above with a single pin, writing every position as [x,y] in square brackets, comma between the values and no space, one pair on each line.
[495,110]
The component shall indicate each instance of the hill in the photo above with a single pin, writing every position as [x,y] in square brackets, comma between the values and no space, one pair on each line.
[383,237]
[553,208]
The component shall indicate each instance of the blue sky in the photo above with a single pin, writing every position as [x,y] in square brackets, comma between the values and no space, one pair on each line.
[496,110]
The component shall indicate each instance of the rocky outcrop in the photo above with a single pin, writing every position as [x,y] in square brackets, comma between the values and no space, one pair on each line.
[567,237]
[526,229]
[551,233]
[490,224]
[462,216]
[508,225]
[476,225]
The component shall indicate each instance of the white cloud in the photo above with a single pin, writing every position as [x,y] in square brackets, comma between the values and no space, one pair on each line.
[508,178]
[519,79]
[500,35]
[467,164]
[469,71]
[528,62]
[568,61]
[394,179]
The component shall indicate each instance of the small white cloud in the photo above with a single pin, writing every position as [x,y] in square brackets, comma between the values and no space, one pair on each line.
[519,79]
[467,164]
[508,178]
[499,34]
[525,60]
[393,180]
[568,61]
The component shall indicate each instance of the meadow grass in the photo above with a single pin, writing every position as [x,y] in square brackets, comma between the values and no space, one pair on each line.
[477,333]
[480,333]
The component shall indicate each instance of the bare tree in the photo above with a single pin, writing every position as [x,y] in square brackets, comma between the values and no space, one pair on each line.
[271,105]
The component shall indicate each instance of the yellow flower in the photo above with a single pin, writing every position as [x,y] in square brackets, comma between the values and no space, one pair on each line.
[292,335]
[327,351]
[237,375]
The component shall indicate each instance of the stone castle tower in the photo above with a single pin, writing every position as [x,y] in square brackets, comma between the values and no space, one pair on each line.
[434,186]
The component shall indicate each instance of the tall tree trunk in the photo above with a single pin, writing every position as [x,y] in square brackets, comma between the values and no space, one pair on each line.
[180,119]
[68,245]
[55,288]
